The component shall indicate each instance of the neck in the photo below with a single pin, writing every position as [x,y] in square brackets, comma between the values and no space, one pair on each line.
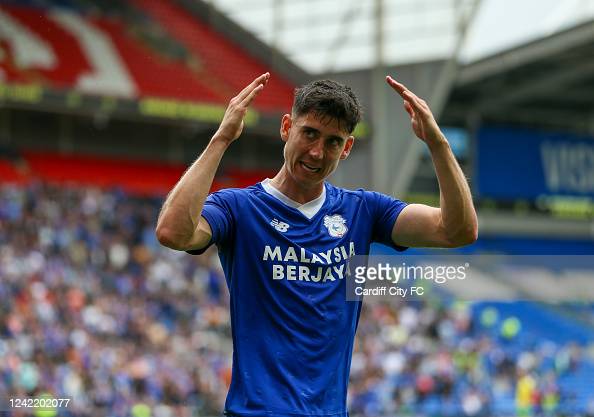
[296,191]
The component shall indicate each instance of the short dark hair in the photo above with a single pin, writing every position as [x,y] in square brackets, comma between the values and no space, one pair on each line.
[327,99]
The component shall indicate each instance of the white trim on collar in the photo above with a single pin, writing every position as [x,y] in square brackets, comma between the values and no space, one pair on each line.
[308,209]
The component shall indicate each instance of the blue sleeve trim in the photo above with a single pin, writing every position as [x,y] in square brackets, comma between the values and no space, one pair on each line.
[385,211]
[391,242]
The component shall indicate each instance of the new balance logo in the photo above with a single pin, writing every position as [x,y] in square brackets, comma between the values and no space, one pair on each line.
[280,226]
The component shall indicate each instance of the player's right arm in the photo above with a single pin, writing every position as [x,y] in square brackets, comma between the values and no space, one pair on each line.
[179,225]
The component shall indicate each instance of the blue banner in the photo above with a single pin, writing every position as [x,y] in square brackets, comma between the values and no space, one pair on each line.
[525,164]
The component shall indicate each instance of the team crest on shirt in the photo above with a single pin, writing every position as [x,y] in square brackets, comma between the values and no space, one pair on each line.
[335,225]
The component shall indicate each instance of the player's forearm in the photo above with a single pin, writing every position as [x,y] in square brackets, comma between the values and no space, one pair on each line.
[180,214]
[457,210]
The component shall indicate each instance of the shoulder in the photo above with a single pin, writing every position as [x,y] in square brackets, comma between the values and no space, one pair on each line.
[360,195]
[236,194]
[344,193]
[376,204]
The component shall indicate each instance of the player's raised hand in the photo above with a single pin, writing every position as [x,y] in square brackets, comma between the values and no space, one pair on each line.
[421,118]
[232,124]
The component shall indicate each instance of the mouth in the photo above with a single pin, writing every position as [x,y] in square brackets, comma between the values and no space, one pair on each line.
[309,167]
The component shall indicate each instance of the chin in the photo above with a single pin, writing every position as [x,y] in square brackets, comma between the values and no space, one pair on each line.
[309,180]
[316,182]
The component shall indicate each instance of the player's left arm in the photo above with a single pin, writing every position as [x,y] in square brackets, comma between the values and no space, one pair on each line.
[455,222]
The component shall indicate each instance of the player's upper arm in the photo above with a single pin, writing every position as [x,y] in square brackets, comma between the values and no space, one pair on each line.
[419,225]
[202,236]
[216,223]
[174,238]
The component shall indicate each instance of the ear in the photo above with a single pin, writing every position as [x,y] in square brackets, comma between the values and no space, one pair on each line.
[347,147]
[285,127]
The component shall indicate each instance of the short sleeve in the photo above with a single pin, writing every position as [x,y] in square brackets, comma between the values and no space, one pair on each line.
[218,212]
[384,210]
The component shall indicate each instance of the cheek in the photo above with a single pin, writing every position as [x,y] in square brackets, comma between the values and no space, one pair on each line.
[293,148]
[335,161]
[290,152]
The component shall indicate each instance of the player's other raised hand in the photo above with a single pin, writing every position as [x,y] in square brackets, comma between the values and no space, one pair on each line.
[232,124]
[421,118]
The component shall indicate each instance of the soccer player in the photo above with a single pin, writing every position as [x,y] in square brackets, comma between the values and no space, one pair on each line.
[284,244]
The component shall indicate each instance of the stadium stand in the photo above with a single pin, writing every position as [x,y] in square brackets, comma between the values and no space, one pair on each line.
[99,312]
[138,177]
[72,45]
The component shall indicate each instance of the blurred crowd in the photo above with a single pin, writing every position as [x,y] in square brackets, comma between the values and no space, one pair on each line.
[436,358]
[95,310]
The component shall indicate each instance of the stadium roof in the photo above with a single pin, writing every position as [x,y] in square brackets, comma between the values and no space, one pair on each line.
[326,36]
[545,83]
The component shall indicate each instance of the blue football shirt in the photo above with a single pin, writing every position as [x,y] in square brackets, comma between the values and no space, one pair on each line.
[292,328]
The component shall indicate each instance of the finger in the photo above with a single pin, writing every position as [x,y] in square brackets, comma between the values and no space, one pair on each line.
[414,102]
[398,87]
[409,109]
[405,92]
[261,80]
[246,101]
[420,102]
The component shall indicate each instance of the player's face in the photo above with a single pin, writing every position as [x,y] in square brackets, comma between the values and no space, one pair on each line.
[313,147]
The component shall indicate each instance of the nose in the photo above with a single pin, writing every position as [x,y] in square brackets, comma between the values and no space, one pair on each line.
[316,151]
